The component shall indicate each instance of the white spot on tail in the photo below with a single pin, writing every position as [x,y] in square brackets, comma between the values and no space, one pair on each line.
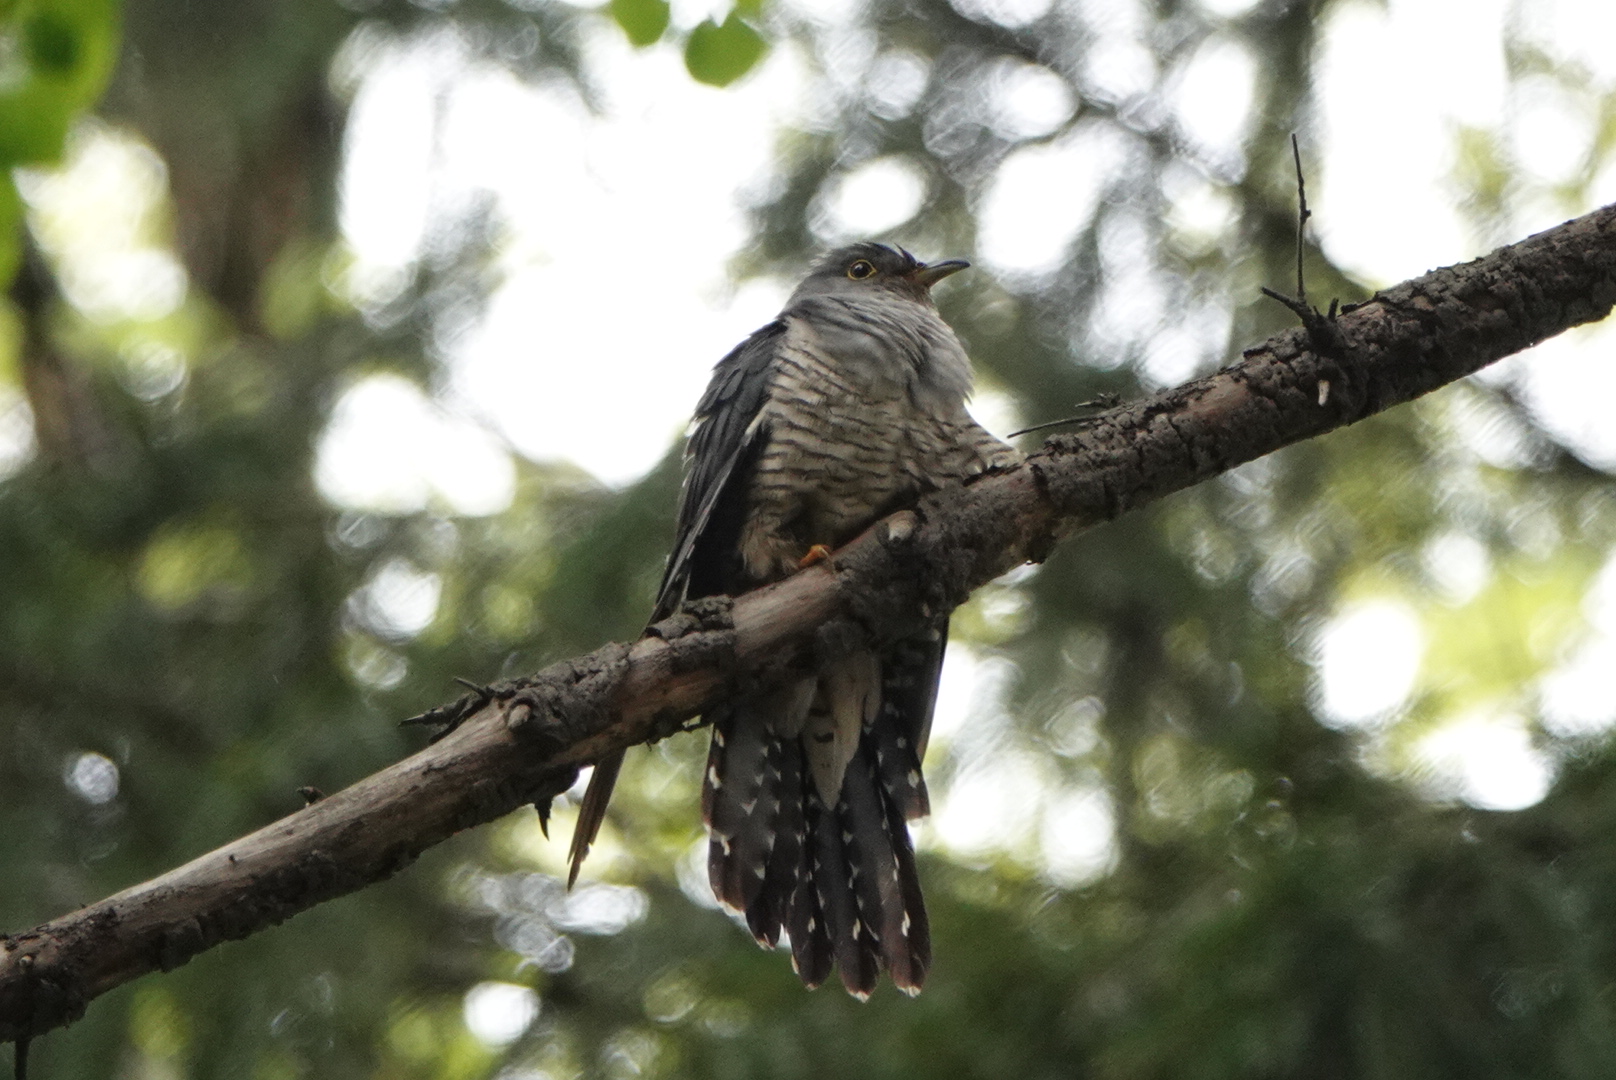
[718,738]
[714,781]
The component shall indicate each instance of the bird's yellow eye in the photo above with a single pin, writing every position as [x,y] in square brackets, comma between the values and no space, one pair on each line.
[860,270]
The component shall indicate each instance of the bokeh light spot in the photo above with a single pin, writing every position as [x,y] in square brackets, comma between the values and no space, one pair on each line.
[1368,658]
[871,199]
[499,1012]
[92,777]
[389,448]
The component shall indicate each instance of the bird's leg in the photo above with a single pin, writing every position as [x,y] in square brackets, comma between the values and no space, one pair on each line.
[816,554]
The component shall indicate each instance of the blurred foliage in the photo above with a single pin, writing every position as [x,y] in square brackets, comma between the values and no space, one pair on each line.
[189,631]
[717,51]
[55,58]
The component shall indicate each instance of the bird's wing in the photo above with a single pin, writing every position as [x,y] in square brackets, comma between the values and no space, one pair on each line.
[729,430]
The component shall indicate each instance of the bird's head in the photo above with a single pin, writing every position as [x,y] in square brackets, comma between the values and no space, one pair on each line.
[869,269]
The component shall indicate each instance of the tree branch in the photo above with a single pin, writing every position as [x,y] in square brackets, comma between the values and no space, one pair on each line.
[523,741]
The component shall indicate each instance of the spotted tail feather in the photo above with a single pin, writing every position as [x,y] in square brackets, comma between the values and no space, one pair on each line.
[835,886]
[769,911]
[879,858]
[840,881]
[741,802]
[811,951]
[909,677]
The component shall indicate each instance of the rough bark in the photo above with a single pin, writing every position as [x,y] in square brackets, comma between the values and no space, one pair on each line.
[523,741]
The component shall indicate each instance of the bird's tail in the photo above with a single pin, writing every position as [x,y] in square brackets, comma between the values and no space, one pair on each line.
[838,877]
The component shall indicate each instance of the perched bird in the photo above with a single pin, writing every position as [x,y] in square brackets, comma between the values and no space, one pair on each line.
[849,405]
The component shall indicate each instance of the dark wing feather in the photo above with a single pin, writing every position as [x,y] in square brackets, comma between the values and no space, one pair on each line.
[718,461]
[711,509]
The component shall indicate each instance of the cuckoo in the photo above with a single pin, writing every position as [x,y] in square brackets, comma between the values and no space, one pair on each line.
[849,405]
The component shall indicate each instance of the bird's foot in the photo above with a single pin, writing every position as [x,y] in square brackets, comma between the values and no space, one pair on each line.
[816,554]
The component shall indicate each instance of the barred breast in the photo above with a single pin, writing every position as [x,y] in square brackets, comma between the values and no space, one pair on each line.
[847,444]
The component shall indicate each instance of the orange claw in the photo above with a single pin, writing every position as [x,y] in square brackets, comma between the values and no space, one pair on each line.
[816,554]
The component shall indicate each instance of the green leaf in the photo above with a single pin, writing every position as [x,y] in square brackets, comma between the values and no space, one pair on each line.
[644,21]
[751,9]
[67,49]
[720,53]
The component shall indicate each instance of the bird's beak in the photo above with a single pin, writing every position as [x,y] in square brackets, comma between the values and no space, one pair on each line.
[932,274]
